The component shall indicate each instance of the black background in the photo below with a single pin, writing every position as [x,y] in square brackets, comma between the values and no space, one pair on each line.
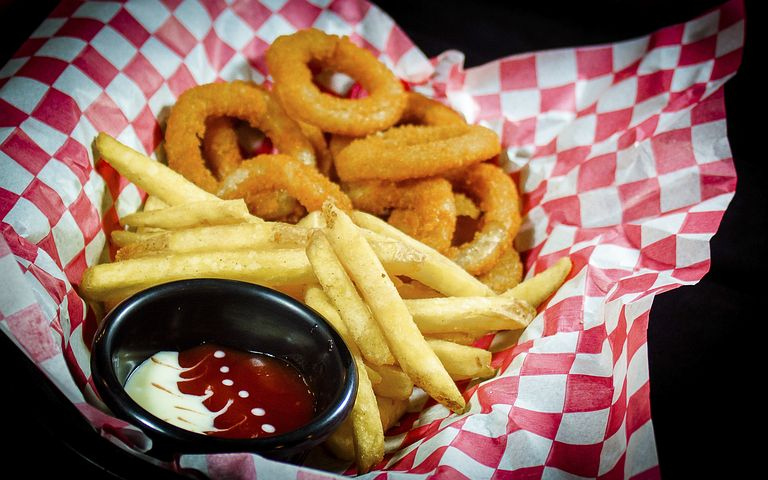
[704,394]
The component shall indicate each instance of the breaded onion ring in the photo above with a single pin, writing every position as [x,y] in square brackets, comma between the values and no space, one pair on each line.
[186,124]
[411,151]
[507,272]
[289,58]
[282,172]
[221,147]
[243,100]
[422,208]
[421,110]
[497,197]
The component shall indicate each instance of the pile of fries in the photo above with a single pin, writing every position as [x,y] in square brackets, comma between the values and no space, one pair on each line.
[408,314]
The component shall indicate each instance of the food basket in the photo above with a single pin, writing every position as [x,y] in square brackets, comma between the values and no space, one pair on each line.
[620,152]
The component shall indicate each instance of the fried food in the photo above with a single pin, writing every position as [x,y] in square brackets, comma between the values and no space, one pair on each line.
[407,344]
[265,267]
[542,285]
[289,58]
[363,328]
[410,151]
[364,423]
[208,212]
[267,173]
[221,146]
[497,198]
[507,272]
[421,110]
[423,208]
[436,271]
[153,177]
[469,314]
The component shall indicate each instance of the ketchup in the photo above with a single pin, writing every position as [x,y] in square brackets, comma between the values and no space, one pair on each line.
[263,396]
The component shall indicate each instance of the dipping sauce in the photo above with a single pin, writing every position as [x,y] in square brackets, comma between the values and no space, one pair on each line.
[223,392]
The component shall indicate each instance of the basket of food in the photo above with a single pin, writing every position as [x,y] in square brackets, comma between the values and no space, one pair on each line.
[478,248]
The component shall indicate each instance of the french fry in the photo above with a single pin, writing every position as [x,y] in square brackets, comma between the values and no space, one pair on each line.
[122,238]
[542,285]
[341,442]
[312,219]
[436,271]
[119,279]
[414,289]
[462,338]
[411,351]
[153,177]
[364,422]
[266,235]
[153,203]
[150,204]
[391,410]
[191,214]
[362,327]
[394,382]
[461,361]
[469,314]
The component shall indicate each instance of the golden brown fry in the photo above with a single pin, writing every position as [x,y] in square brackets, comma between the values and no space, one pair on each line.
[267,235]
[191,214]
[313,219]
[542,285]
[153,177]
[366,427]
[362,327]
[469,314]
[122,238]
[407,344]
[271,268]
[436,271]
[461,361]
[462,338]
[394,382]
[391,410]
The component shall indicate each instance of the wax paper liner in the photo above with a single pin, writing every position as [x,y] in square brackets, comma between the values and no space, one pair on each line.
[620,151]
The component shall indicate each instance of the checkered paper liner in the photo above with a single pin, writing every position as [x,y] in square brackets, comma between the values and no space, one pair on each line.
[620,152]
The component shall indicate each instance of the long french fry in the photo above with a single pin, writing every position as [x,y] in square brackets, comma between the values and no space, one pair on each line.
[153,177]
[436,271]
[394,382]
[266,235]
[412,352]
[191,214]
[462,361]
[362,327]
[469,314]
[539,287]
[118,279]
[364,422]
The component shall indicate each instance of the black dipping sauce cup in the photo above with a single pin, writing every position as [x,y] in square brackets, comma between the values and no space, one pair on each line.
[180,315]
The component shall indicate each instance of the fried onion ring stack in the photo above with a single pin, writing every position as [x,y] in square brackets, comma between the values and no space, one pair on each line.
[390,152]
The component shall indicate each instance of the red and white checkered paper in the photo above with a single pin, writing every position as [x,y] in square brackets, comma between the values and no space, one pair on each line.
[620,151]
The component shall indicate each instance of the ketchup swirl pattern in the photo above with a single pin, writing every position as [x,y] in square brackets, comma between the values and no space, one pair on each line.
[223,392]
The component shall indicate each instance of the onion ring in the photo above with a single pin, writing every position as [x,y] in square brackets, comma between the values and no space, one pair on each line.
[412,151]
[221,147]
[507,272]
[421,110]
[282,172]
[289,58]
[422,208]
[497,197]
[243,100]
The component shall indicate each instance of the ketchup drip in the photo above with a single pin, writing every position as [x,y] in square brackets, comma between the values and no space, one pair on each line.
[259,395]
